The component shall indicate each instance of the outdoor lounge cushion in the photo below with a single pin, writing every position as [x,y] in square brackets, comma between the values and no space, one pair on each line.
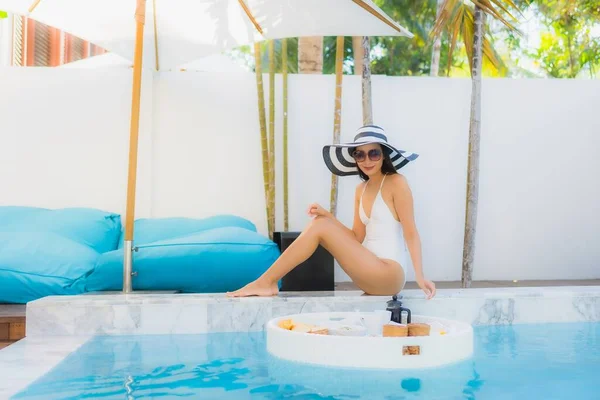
[97,229]
[38,264]
[47,252]
[213,260]
[149,230]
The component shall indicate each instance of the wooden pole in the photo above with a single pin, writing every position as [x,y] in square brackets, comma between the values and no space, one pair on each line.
[140,16]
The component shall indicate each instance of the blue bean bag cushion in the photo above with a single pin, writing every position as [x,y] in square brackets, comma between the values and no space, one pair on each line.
[149,230]
[210,261]
[48,252]
[97,229]
[38,264]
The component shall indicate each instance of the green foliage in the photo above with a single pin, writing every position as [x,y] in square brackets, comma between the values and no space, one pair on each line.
[569,44]
[401,55]
[329,50]
[246,56]
[568,47]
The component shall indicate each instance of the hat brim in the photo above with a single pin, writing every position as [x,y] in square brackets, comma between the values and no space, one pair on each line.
[340,162]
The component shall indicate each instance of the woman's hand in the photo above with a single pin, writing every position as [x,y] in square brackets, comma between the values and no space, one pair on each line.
[428,287]
[315,210]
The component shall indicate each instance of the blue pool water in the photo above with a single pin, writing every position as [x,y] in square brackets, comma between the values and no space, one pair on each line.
[549,361]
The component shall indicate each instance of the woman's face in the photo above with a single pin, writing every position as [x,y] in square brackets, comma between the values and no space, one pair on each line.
[369,158]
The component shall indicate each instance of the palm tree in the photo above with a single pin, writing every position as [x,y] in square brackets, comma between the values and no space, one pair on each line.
[310,55]
[467,21]
[367,101]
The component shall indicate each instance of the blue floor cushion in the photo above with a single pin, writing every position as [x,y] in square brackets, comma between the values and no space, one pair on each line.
[39,264]
[97,229]
[150,230]
[212,260]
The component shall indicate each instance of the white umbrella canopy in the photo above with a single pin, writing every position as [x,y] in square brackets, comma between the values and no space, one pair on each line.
[180,31]
[214,63]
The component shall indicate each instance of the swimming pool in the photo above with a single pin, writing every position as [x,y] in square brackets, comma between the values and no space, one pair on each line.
[527,361]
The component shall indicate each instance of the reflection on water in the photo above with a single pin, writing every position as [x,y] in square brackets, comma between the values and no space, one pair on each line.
[529,361]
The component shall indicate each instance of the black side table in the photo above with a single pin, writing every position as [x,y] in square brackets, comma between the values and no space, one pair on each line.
[315,274]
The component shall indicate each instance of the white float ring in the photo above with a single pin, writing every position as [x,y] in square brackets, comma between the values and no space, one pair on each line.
[450,344]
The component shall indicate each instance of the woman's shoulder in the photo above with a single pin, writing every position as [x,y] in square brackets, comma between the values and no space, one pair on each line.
[397,181]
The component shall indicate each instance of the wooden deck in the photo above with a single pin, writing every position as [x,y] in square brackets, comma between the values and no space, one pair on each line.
[12,324]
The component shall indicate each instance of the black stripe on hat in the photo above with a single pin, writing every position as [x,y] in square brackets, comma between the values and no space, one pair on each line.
[342,160]
[402,163]
[370,134]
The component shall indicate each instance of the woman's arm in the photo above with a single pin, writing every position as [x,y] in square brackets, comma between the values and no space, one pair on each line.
[403,203]
[358,228]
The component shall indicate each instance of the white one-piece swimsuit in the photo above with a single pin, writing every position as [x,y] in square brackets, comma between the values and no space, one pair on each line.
[384,234]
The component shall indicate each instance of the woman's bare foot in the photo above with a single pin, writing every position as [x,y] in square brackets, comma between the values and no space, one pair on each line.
[256,288]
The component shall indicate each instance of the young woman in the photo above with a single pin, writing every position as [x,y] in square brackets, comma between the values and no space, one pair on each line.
[375,251]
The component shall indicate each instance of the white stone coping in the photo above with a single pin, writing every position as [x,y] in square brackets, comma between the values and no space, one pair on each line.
[146,313]
[23,362]
[370,350]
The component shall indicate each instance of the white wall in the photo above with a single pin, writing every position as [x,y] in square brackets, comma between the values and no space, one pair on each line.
[539,213]
[200,155]
[5,41]
[65,137]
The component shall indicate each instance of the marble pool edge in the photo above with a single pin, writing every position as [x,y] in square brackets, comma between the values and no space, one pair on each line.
[146,313]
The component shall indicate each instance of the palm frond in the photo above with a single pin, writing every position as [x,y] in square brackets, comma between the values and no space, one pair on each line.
[490,7]
[457,18]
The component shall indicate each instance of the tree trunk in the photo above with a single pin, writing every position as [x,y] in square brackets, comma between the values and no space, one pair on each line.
[272,134]
[437,46]
[367,105]
[337,116]
[284,61]
[263,129]
[310,55]
[473,163]
[359,53]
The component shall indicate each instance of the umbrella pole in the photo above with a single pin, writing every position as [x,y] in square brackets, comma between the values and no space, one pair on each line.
[140,15]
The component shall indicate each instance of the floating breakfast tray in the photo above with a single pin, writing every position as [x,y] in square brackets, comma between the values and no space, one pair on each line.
[368,340]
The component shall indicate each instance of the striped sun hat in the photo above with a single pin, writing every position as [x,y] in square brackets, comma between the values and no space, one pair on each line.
[339,160]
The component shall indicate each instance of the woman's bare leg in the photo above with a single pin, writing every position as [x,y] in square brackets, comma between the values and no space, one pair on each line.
[370,273]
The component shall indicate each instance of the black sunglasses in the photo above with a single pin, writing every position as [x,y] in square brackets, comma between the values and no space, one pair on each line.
[360,155]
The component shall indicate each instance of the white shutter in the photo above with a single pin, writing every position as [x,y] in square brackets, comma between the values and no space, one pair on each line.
[76,48]
[42,45]
[18,41]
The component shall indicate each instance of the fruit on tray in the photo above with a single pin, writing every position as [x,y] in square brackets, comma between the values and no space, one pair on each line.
[286,324]
[290,325]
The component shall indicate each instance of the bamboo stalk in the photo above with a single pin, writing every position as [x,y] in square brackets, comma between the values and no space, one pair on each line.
[263,128]
[337,116]
[284,61]
[272,135]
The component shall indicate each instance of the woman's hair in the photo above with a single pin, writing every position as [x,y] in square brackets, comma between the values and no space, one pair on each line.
[387,167]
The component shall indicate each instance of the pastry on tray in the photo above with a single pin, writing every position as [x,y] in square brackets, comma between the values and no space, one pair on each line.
[290,325]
